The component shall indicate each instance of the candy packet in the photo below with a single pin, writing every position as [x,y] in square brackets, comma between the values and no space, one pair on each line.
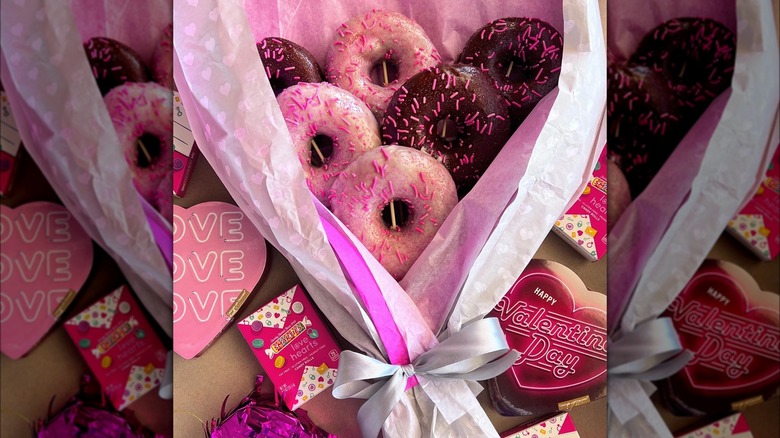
[67,131]
[219,74]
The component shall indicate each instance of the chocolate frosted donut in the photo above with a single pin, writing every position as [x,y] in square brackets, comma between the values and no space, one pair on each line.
[287,63]
[523,55]
[646,121]
[695,54]
[113,63]
[453,113]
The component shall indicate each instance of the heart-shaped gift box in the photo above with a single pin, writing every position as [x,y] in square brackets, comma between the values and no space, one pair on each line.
[733,329]
[559,328]
[46,258]
[220,256]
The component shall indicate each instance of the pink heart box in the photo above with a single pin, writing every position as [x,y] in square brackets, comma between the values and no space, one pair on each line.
[120,347]
[219,256]
[46,258]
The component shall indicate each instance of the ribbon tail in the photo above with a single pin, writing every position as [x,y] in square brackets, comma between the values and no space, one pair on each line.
[487,371]
[375,411]
[354,369]
[667,368]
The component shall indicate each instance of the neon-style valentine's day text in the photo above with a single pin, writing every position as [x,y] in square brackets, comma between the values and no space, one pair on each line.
[545,296]
[557,341]
[730,342]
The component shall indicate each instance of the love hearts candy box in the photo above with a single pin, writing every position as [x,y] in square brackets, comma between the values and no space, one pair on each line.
[119,346]
[559,425]
[293,346]
[757,225]
[46,258]
[218,259]
[559,328]
[584,225]
[733,328]
[733,426]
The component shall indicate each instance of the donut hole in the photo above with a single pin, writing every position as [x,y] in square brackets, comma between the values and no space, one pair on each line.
[325,146]
[148,150]
[686,70]
[514,70]
[402,211]
[447,130]
[377,72]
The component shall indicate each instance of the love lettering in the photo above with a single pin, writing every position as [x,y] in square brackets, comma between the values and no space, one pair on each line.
[53,226]
[29,305]
[31,262]
[203,226]
[203,308]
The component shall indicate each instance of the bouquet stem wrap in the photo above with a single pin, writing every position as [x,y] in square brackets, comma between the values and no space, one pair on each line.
[66,129]
[479,250]
[711,174]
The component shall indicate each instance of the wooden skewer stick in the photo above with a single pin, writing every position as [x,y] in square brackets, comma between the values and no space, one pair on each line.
[141,146]
[509,70]
[444,129]
[317,149]
[392,215]
[384,70]
[682,72]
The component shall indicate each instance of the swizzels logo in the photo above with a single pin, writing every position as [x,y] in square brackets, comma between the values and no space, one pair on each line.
[553,337]
[734,345]
[288,337]
[219,258]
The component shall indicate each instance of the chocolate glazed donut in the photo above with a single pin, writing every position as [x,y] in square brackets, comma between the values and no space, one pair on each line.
[523,55]
[695,54]
[453,113]
[113,63]
[287,63]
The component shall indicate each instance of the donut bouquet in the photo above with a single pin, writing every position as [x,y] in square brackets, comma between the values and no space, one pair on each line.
[695,98]
[87,118]
[405,159]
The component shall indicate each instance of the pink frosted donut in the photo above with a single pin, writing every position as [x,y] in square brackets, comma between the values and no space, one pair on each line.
[143,119]
[355,59]
[163,59]
[422,192]
[340,125]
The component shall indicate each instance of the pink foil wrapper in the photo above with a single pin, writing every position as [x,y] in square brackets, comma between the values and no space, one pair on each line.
[87,416]
[219,75]
[262,415]
[66,128]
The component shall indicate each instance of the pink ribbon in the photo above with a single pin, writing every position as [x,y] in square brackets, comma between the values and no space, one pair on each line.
[367,288]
